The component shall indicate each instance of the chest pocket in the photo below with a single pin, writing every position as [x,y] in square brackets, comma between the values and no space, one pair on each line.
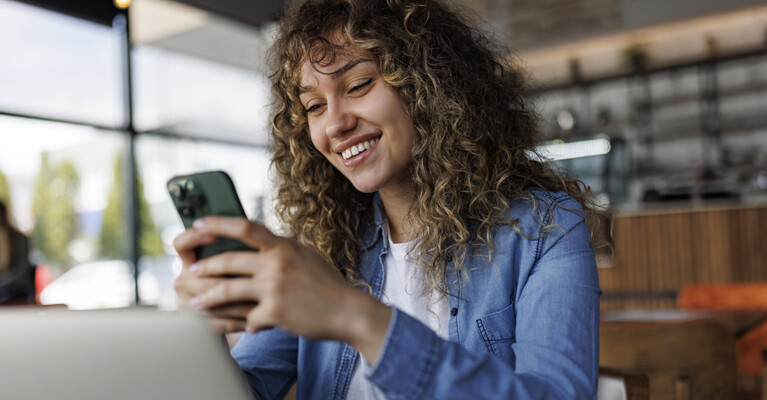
[497,331]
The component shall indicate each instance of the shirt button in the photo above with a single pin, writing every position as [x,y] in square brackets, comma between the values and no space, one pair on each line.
[454,311]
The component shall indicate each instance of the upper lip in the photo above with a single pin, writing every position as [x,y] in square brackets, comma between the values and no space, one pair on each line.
[347,144]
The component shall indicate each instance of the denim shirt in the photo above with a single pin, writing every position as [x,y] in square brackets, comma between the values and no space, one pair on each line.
[524,326]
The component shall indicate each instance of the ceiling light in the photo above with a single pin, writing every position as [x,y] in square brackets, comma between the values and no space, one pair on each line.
[122,4]
[561,150]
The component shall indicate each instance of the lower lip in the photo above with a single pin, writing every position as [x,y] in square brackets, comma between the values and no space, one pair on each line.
[359,158]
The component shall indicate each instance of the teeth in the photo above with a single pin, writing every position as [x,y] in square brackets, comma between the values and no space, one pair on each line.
[355,150]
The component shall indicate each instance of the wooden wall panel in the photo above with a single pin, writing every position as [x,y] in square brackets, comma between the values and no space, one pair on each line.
[655,254]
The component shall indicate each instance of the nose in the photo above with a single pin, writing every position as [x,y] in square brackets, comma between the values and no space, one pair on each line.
[340,120]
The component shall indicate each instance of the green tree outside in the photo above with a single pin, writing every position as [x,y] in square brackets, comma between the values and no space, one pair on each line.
[5,191]
[56,220]
[113,238]
[40,203]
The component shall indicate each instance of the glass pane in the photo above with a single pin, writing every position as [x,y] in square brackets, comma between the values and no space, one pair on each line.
[60,186]
[58,66]
[196,97]
[159,159]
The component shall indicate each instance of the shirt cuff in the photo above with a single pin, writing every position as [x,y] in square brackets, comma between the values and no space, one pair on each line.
[408,359]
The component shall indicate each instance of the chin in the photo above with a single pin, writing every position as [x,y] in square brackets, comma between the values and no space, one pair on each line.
[365,186]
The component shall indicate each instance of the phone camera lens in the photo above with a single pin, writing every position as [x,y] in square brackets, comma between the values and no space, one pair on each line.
[177,191]
[197,200]
[190,185]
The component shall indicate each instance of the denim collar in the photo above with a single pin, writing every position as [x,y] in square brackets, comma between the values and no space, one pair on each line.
[370,232]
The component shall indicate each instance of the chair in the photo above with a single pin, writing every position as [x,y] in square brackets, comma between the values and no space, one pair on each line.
[736,296]
[685,359]
[632,385]
[764,381]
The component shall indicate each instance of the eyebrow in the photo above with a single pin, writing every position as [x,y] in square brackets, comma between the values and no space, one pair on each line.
[337,73]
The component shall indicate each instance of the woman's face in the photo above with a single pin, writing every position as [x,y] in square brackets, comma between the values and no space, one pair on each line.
[358,121]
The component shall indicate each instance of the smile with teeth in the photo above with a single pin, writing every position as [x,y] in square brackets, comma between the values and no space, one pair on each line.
[359,148]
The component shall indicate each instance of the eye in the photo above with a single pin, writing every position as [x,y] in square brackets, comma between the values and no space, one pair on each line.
[361,86]
[313,108]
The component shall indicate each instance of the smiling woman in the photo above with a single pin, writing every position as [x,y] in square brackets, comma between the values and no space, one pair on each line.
[428,255]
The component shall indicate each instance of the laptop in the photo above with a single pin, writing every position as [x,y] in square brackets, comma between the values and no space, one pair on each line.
[114,354]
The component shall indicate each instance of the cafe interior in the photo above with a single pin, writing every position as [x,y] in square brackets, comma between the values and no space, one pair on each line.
[660,107]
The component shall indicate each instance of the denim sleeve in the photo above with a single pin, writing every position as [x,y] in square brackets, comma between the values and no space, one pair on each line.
[268,361]
[557,335]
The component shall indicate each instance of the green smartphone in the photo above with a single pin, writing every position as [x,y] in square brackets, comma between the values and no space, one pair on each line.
[204,194]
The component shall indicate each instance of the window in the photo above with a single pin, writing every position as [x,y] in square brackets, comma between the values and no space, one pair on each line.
[65,144]
[56,66]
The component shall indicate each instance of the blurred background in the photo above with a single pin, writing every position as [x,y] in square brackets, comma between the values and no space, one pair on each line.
[659,106]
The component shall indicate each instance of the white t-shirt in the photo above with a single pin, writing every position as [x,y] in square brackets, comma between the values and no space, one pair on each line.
[402,288]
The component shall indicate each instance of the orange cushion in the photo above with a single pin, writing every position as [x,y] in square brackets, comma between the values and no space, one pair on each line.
[730,296]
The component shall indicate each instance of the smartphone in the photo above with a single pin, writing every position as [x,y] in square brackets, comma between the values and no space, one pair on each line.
[204,194]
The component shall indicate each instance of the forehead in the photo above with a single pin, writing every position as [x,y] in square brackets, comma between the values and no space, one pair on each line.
[324,61]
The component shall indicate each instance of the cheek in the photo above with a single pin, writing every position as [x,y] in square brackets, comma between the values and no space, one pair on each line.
[319,140]
[406,129]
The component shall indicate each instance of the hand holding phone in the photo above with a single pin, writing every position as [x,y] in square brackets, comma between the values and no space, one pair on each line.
[204,194]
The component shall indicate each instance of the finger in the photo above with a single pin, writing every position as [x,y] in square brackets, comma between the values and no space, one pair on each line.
[228,325]
[191,285]
[190,239]
[242,263]
[236,311]
[227,291]
[249,232]
[260,318]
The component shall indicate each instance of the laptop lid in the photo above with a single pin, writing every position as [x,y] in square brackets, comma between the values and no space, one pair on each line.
[114,354]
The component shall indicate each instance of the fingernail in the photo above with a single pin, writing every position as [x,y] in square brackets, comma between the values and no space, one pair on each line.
[199,223]
[194,268]
[196,301]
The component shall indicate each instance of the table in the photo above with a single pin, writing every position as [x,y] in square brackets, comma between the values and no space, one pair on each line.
[737,322]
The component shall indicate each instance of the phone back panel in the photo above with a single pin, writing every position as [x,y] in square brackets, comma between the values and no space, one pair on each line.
[207,194]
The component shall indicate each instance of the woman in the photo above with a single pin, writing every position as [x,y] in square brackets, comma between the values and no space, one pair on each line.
[17,282]
[428,256]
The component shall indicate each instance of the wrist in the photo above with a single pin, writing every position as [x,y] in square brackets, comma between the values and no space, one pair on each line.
[366,325]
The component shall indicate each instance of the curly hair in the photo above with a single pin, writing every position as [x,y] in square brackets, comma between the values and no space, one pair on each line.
[474,132]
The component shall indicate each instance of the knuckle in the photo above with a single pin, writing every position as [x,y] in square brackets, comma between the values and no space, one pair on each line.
[283,264]
[215,264]
[278,288]
[274,311]
[287,246]
[223,289]
[178,242]
[231,325]
[244,228]
[283,268]
[178,283]
[219,325]
[181,283]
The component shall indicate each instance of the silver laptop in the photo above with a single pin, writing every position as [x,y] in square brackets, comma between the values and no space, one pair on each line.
[113,354]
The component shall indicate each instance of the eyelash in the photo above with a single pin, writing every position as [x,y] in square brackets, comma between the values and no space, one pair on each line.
[361,85]
[352,90]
